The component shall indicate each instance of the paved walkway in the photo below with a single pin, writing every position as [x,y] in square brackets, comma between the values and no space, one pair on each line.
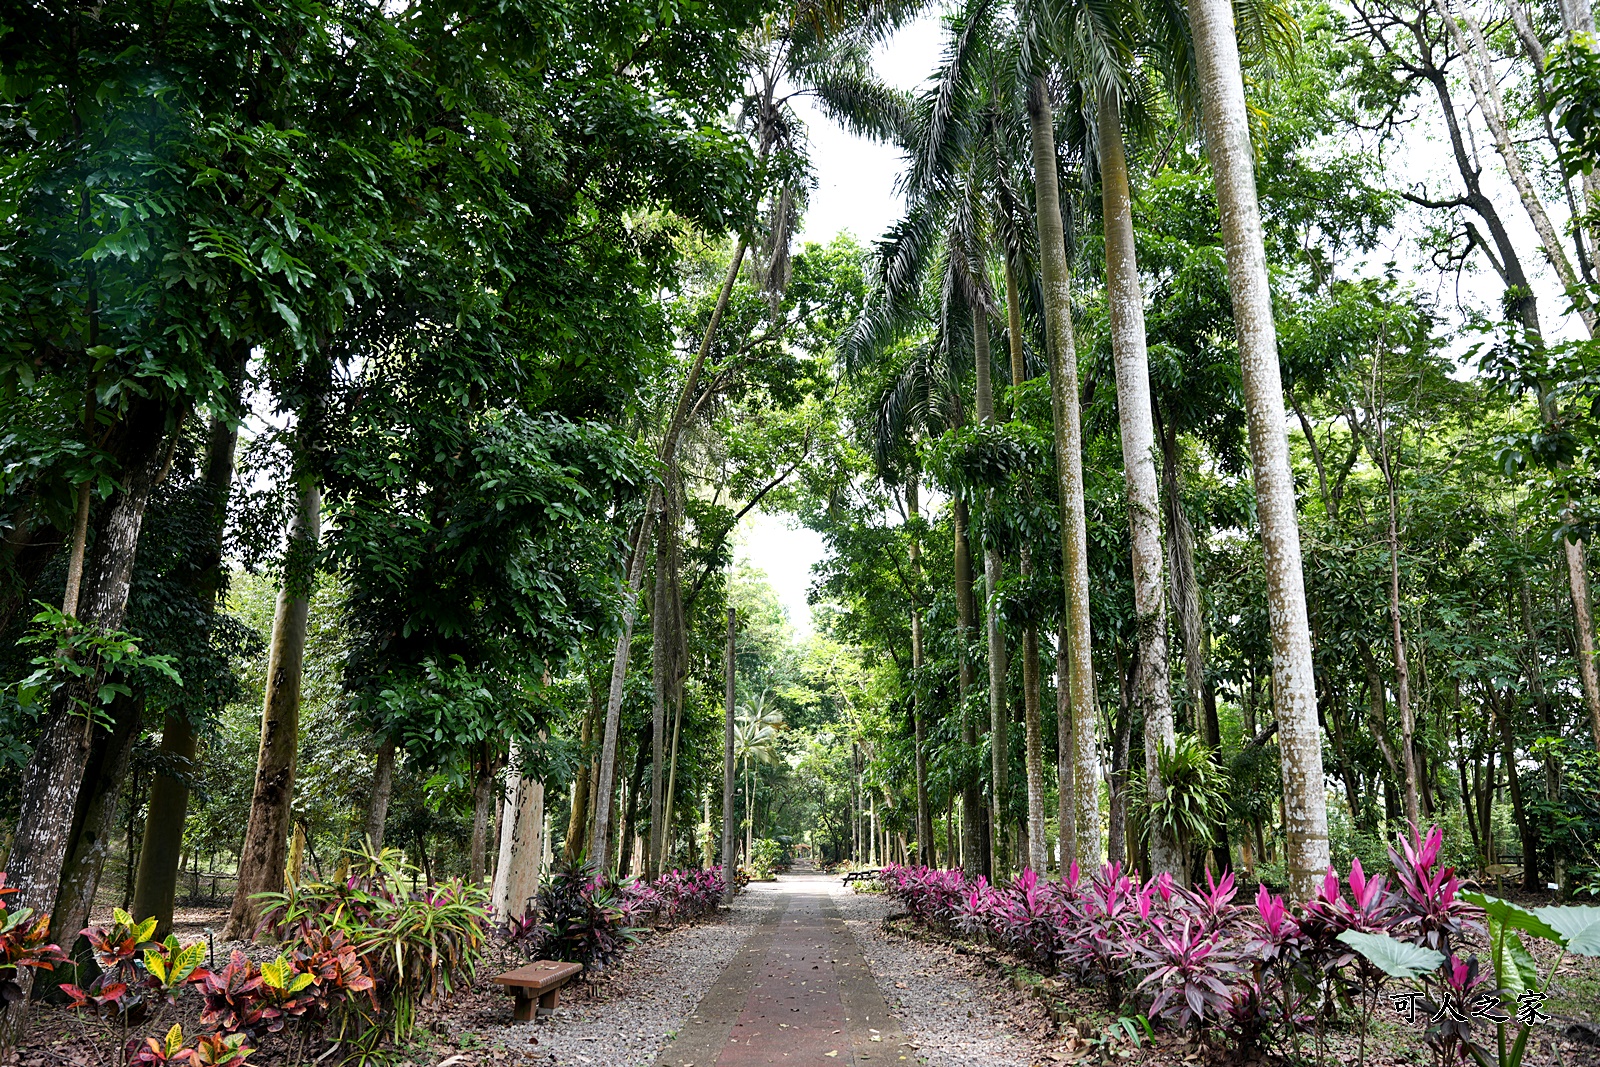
[797,993]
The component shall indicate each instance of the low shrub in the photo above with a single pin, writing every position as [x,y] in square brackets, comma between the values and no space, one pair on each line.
[1262,972]
[582,918]
[383,949]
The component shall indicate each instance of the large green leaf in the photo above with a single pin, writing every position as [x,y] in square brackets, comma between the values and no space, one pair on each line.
[1577,927]
[1398,959]
[1513,916]
[1514,966]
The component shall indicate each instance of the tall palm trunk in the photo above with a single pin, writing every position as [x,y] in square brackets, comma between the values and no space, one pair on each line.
[266,837]
[1069,473]
[1038,848]
[919,725]
[1227,133]
[1151,692]
[1066,810]
[999,750]
[974,850]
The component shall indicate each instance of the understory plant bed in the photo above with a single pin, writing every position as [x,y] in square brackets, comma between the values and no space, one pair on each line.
[361,970]
[1421,970]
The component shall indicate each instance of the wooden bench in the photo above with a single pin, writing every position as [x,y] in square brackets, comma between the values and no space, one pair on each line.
[542,979]
[861,876]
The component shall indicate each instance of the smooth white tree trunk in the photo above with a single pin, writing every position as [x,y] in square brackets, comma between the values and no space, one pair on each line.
[1152,693]
[1085,783]
[1227,132]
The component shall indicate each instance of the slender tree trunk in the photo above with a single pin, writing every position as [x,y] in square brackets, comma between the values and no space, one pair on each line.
[749,813]
[660,678]
[1526,830]
[727,764]
[1066,811]
[974,853]
[262,855]
[1152,692]
[925,850]
[1402,671]
[629,833]
[606,779]
[1227,131]
[672,764]
[382,791]
[80,541]
[1038,844]
[578,819]
[482,812]
[157,884]
[1535,670]
[1583,619]
[1069,470]
[1038,849]
[999,750]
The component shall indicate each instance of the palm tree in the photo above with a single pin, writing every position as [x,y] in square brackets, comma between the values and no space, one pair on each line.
[755,740]
[1079,815]
[1227,131]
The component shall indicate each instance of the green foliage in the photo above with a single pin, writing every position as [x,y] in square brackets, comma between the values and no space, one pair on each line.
[414,946]
[1574,70]
[764,856]
[79,655]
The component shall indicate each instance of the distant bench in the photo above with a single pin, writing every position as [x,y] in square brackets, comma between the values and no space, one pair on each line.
[541,979]
[861,876]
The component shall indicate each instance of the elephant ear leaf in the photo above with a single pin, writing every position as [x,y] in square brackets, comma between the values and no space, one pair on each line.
[1577,927]
[1512,916]
[1514,968]
[1397,959]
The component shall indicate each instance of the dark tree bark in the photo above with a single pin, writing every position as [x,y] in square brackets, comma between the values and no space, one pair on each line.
[55,772]
[95,820]
[382,790]
[483,792]
[261,858]
[162,853]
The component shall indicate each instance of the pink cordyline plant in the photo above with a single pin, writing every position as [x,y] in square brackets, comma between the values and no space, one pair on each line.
[1193,970]
[1431,911]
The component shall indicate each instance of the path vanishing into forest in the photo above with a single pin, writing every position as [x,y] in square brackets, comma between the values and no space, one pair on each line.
[798,992]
